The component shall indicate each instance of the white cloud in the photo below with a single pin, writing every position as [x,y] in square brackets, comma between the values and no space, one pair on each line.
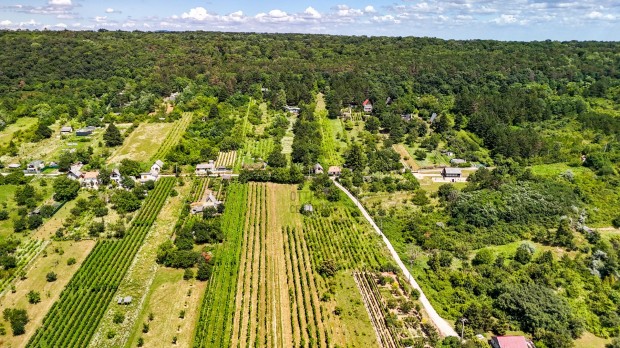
[61,25]
[6,23]
[109,10]
[101,19]
[60,2]
[507,19]
[346,11]
[312,13]
[596,15]
[369,9]
[198,13]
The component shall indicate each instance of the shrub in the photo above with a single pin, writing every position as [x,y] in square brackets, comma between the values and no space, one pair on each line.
[4,215]
[118,318]
[34,297]
[51,277]
[71,261]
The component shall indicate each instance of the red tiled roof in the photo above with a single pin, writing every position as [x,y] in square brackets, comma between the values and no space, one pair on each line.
[512,342]
[366,102]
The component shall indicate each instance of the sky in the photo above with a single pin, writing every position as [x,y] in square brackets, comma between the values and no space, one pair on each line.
[520,20]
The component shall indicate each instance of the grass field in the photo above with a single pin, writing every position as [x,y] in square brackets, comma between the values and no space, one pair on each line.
[35,280]
[331,147]
[406,157]
[22,124]
[143,143]
[137,283]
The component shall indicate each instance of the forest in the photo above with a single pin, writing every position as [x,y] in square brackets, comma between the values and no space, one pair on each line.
[527,242]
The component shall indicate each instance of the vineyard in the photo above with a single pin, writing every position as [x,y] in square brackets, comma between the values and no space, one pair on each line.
[73,319]
[174,136]
[216,312]
[226,159]
[24,254]
[259,148]
[376,310]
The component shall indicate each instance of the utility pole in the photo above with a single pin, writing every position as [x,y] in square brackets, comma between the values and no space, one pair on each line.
[463,321]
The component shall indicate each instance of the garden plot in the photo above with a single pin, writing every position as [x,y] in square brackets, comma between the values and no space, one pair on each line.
[143,143]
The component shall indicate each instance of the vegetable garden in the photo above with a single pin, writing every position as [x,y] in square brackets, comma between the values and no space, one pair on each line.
[72,320]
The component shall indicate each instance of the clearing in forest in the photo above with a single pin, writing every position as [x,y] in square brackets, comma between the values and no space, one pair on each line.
[143,143]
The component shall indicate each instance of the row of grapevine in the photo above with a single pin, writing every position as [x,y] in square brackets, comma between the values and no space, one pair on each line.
[376,309]
[226,159]
[174,136]
[218,305]
[73,318]
[24,254]
[341,239]
[259,148]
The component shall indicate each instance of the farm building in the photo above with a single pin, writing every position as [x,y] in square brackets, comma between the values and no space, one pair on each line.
[457,161]
[154,173]
[511,342]
[83,132]
[317,169]
[67,130]
[367,106]
[157,166]
[334,171]
[209,202]
[451,173]
[35,166]
[205,168]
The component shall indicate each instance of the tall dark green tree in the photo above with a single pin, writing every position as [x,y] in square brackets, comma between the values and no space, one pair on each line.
[112,136]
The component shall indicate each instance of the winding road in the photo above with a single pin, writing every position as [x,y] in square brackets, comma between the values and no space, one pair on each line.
[442,325]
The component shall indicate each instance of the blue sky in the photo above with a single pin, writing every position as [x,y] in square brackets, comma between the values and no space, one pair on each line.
[523,20]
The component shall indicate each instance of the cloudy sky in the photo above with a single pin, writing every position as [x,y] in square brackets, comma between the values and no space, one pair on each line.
[451,19]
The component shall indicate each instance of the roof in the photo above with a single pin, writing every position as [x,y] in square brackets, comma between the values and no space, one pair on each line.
[449,170]
[14,165]
[433,116]
[211,199]
[91,175]
[457,161]
[318,166]
[75,172]
[511,342]
[159,163]
[209,165]
[35,163]
[66,129]
[366,102]
[333,169]
[115,171]
[308,207]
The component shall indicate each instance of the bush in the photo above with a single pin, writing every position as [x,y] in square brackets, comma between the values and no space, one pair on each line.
[188,274]
[34,297]
[4,215]
[71,261]
[119,318]
[51,277]
[616,222]
[18,318]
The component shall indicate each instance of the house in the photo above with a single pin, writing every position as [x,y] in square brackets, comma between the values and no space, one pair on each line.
[334,171]
[90,179]
[157,166]
[457,161]
[317,169]
[205,168]
[116,176]
[209,202]
[35,166]
[451,172]
[433,117]
[172,97]
[292,109]
[67,130]
[83,132]
[74,174]
[367,106]
[448,153]
[511,342]
[153,174]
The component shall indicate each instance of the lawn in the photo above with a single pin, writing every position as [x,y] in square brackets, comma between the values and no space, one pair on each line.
[22,124]
[143,142]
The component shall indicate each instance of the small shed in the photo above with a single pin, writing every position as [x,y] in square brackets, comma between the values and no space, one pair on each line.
[308,208]
[83,132]
[451,172]
[317,169]
[334,171]
[14,165]
[205,168]
[124,300]
[66,130]
[35,166]
[457,161]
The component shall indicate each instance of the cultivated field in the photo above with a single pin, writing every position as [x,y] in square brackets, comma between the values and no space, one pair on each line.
[56,260]
[226,159]
[174,136]
[143,143]
[73,319]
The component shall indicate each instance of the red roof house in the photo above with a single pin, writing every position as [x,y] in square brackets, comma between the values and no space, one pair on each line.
[367,105]
[511,342]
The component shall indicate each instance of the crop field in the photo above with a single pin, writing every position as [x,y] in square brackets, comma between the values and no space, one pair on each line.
[56,260]
[73,319]
[259,148]
[24,254]
[273,298]
[143,143]
[174,136]
[226,159]
[372,301]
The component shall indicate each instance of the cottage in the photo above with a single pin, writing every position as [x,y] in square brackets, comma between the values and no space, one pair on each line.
[205,168]
[157,166]
[67,130]
[511,342]
[334,171]
[35,166]
[292,109]
[116,176]
[451,173]
[317,169]
[90,179]
[367,106]
[83,132]
[457,161]
[153,175]
[209,202]
[74,174]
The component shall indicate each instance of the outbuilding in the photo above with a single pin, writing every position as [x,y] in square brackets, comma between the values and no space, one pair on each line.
[451,172]
[334,171]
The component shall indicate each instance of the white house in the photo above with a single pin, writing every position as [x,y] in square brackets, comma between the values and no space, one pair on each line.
[67,130]
[74,174]
[90,179]
[116,176]
[367,106]
[157,166]
[205,168]
[209,202]
[334,171]
[35,166]
[153,174]
[318,169]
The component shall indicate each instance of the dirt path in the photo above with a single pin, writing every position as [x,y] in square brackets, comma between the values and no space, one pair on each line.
[442,325]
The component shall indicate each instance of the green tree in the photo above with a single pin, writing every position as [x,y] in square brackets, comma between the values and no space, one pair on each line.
[34,297]
[372,124]
[564,235]
[18,318]
[42,132]
[51,277]
[65,189]
[130,168]
[112,136]
[355,158]
[276,158]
